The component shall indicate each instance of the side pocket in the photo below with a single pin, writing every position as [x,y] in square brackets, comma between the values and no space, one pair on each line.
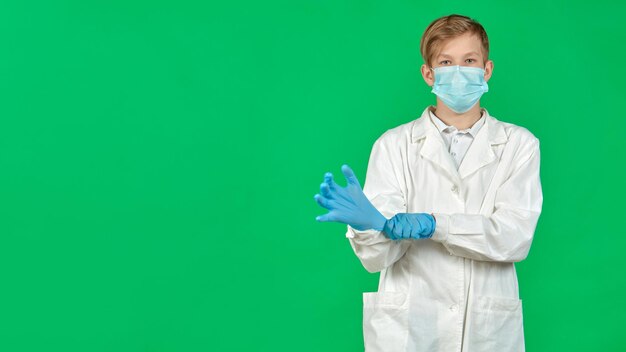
[385,321]
[496,324]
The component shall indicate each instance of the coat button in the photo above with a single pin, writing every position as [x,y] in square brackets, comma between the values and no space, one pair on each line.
[455,189]
[454,307]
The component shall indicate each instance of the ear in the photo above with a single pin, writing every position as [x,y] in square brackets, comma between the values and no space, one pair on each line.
[428,75]
[488,70]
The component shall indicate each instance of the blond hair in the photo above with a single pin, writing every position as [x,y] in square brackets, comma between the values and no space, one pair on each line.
[448,27]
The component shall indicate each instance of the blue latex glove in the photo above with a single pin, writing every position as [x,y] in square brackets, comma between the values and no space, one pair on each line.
[404,225]
[348,205]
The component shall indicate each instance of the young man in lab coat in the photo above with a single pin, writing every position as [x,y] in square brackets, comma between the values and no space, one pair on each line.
[451,202]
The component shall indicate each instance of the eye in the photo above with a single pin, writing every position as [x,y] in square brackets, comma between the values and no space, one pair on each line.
[470,61]
[444,62]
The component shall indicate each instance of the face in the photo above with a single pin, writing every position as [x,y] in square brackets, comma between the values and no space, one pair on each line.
[464,50]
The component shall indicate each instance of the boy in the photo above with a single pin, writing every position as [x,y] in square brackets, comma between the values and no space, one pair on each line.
[451,201]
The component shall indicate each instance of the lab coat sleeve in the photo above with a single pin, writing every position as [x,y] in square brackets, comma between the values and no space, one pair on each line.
[505,235]
[375,251]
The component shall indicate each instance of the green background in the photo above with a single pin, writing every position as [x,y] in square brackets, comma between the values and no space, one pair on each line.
[158,162]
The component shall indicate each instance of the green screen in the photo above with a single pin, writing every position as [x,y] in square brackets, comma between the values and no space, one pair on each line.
[158,162]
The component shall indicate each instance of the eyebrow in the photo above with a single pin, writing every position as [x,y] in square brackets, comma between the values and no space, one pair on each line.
[471,53]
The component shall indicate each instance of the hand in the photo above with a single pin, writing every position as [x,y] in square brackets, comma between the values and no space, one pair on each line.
[403,226]
[348,205]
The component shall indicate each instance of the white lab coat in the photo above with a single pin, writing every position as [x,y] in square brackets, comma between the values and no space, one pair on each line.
[458,290]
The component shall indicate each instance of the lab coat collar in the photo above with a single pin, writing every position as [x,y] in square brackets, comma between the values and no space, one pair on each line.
[479,154]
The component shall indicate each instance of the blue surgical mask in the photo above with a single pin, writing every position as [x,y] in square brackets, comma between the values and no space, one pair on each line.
[459,87]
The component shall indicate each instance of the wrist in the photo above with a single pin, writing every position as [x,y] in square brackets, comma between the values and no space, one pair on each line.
[379,223]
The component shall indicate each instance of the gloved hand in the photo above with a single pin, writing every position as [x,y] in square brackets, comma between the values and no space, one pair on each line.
[348,205]
[404,225]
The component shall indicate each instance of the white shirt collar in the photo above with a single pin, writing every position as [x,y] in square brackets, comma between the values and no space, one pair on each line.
[442,127]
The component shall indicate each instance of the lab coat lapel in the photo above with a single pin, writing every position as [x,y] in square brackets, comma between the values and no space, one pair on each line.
[480,152]
[433,148]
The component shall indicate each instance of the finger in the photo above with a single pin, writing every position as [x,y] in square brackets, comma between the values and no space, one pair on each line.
[324,202]
[330,181]
[326,218]
[350,176]
[406,231]
[420,225]
[325,190]
[336,191]
[419,229]
[397,229]
[414,225]
[328,178]
[411,219]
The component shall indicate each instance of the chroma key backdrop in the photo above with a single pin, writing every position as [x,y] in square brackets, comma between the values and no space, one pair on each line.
[158,161]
